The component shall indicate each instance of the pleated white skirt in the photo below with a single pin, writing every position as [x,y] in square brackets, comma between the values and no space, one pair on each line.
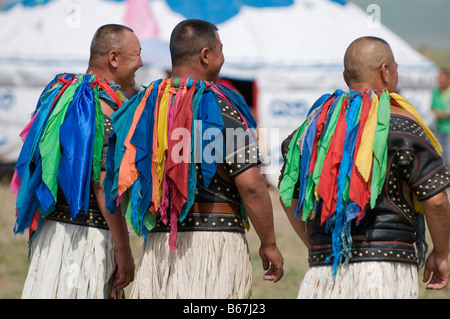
[205,265]
[364,280]
[70,261]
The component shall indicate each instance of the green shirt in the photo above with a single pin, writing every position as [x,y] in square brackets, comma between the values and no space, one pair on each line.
[441,102]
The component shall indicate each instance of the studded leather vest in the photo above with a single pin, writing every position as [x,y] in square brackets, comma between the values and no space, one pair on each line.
[388,231]
[241,153]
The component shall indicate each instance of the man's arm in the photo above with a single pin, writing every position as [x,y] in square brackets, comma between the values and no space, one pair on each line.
[297,223]
[119,231]
[253,190]
[437,214]
[118,227]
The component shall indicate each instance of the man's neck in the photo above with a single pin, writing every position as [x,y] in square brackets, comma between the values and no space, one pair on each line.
[93,69]
[361,87]
[186,72]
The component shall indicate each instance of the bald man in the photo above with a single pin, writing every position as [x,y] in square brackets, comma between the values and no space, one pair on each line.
[360,176]
[78,249]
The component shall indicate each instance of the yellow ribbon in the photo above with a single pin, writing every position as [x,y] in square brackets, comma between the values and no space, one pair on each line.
[163,143]
[364,157]
[404,104]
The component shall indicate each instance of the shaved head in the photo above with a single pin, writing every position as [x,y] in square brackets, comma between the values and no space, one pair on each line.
[189,37]
[196,50]
[364,58]
[115,54]
[108,37]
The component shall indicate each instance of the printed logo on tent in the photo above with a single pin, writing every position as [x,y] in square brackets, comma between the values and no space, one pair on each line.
[6,100]
[291,109]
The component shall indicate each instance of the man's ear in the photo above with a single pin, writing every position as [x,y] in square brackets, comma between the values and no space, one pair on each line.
[385,73]
[113,58]
[344,74]
[205,56]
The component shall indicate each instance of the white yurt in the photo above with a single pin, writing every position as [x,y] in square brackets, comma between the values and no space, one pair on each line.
[291,51]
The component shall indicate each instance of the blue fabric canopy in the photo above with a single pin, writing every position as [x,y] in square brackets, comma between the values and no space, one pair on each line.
[216,12]
[219,11]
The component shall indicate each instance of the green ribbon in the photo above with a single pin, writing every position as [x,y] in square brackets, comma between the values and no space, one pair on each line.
[380,147]
[291,169]
[99,137]
[49,144]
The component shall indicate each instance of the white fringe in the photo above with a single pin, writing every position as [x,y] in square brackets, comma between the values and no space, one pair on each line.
[364,280]
[205,265]
[70,261]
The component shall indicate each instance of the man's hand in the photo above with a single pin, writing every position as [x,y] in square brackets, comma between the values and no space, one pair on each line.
[437,265]
[272,261]
[252,187]
[124,269]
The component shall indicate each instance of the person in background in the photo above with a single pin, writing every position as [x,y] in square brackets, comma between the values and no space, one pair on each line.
[440,104]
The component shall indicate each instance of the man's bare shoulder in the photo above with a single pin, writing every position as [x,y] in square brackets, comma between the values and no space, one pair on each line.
[400,111]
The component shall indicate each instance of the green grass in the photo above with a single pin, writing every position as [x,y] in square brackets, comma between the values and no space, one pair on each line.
[13,268]
[14,257]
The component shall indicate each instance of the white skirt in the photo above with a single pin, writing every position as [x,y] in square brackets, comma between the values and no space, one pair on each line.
[70,261]
[205,265]
[364,280]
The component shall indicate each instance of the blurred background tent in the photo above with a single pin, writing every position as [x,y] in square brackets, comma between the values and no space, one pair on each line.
[281,54]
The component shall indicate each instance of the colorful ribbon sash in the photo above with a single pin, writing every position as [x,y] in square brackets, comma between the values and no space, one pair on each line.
[62,148]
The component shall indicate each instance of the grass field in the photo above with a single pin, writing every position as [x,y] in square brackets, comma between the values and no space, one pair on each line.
[14,256]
